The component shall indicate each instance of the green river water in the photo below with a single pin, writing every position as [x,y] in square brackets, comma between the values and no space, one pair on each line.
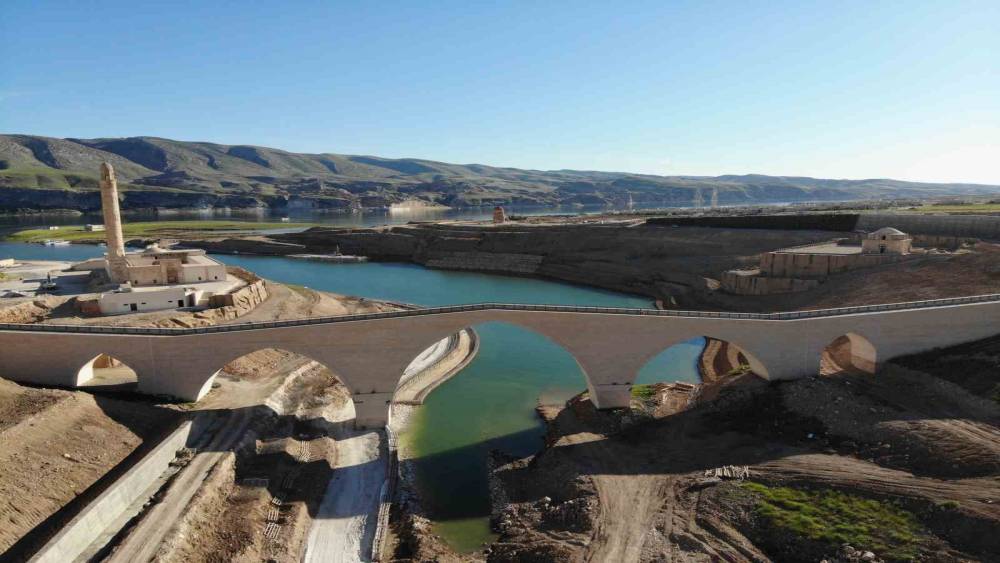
[490,404]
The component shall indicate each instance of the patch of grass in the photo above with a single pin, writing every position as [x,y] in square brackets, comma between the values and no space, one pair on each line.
[643,392]
[837,518]
[37,177]
[151,229]
[742,369]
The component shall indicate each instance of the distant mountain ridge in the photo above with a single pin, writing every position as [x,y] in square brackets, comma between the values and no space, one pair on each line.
[39,173]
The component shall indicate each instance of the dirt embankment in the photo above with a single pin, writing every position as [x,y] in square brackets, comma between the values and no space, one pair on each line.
[48,453]
[902,442]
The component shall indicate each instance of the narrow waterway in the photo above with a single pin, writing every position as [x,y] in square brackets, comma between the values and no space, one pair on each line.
[491,403]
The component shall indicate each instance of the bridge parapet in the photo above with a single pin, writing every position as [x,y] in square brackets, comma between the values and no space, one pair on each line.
[783,316]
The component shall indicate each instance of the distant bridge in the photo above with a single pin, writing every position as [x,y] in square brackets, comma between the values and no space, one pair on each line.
[369,352]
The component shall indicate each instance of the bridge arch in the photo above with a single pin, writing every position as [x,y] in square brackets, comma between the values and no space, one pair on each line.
[251,364]
[549,359]
[107,371]
[849,352]
[700,356]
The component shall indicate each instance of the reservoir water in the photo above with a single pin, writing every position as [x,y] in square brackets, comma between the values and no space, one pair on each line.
[490,404]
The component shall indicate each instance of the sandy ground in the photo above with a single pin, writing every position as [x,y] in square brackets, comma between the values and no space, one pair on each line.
[344,526]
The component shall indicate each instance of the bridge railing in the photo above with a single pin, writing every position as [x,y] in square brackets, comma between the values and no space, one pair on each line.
[785,316]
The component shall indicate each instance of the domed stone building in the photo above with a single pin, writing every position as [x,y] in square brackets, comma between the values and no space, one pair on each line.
[886,240]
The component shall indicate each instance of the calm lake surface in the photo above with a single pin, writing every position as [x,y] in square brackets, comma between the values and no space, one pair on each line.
[490,404]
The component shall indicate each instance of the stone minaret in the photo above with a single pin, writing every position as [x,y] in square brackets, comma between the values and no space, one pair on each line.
[117,267]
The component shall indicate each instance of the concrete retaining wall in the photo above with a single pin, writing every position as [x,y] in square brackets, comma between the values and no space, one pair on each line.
[244,299]
[753,284]
[801,265]
[71,541]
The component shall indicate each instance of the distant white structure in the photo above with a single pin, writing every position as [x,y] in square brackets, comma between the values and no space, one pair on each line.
[93,228]
[886,240]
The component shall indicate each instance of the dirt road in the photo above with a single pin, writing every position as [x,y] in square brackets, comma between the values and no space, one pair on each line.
[344,526]
[143,542]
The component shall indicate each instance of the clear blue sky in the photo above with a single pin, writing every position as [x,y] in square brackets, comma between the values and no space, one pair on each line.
[907,89]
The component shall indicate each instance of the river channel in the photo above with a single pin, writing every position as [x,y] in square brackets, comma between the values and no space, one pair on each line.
[490,404]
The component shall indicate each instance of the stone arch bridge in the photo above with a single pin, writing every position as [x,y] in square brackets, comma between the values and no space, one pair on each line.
[369,352]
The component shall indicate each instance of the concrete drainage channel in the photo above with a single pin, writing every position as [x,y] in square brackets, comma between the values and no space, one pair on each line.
[122,501]
[386,495]
[152,493]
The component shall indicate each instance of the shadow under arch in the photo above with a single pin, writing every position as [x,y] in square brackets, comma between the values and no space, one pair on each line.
[702,359]
[105,372]
[265,363]
[850,352]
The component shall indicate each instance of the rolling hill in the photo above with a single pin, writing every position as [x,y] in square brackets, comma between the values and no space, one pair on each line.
[45,173]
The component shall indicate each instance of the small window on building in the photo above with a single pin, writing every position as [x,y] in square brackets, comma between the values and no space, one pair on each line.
[133,307]
[216,277]
[199,278]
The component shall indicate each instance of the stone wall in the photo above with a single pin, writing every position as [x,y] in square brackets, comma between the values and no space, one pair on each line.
[486,262]
[803,265]
[243,300]
[746,283]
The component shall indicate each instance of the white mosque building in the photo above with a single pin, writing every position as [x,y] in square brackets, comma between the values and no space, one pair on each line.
[154,278]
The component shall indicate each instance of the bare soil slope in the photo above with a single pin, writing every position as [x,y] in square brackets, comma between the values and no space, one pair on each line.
[609,488]
[48,453]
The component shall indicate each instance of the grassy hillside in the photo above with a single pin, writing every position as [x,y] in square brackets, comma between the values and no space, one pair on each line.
[157,172]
